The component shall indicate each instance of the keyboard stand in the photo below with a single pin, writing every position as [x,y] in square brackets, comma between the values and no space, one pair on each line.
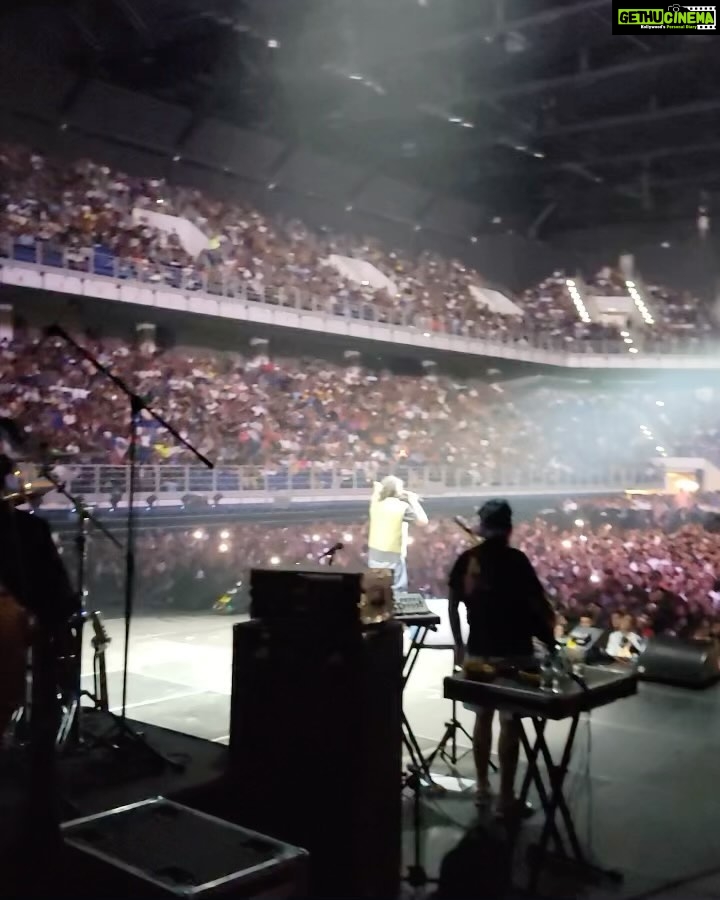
[554,805]
[418,637]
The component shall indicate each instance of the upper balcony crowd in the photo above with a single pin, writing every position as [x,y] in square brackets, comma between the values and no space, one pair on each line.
[88,217]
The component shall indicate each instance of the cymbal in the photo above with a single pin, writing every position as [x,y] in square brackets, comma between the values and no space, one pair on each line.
[32,490]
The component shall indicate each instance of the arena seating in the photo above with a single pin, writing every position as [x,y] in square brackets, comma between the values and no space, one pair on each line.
[89,218]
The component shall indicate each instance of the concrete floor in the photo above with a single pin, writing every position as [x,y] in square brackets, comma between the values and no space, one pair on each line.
[642,790]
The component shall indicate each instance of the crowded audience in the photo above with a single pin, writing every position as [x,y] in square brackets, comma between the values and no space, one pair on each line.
[88,217]
[657,564]
[282,414]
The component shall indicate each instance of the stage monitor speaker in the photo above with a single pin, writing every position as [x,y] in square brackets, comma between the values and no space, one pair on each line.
[316,749]
[675,661]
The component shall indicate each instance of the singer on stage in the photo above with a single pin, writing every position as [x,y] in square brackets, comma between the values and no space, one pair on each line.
[392,509]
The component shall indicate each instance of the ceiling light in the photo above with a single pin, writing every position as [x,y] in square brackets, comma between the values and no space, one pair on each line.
[630,284]
[659,403]
[455,120]
[467,125]
[660,449]
[570,283]
[633,349]
[624,334]
[355,77]
[539,155]
[628,340]
[273,44]
[473,239]
[665,245]
[497,220]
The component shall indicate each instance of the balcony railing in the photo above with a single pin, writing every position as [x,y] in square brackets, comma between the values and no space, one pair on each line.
[233,289]
[170,484]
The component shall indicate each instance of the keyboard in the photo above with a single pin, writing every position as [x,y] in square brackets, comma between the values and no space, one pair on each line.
[603,685]
[410,605]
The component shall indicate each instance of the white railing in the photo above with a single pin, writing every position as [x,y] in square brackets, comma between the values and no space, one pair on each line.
[170,484]
[216,289]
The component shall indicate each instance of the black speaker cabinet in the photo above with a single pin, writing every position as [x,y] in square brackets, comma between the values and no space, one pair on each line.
[675,661]
[316,746]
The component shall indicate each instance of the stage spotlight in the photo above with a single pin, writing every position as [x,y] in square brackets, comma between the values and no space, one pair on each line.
[347,537]
[225,535]
[315,538]
[567,544]
[198,534]
[274,560]
[579,523]
[223,548]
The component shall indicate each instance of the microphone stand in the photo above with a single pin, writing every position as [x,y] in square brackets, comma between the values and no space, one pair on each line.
[71,726]
[137,405]
[329,554]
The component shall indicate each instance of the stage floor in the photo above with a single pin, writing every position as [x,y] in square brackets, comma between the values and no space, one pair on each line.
[642,788]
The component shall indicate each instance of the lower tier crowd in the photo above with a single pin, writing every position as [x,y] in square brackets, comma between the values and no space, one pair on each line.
[660,564]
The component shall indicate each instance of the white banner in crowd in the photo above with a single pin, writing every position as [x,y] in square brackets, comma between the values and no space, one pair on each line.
[495,301]
[361,272]
[193,241]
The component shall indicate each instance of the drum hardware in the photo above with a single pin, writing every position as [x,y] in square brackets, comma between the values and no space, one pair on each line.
[70,661]
[30,492]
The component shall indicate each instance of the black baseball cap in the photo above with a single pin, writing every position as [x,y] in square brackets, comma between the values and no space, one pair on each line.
[495,515]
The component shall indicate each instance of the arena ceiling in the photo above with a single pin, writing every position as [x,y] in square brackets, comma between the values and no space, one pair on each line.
[531,110]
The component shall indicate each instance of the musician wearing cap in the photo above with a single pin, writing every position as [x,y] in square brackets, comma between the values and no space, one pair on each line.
[506,609]
[392,509]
